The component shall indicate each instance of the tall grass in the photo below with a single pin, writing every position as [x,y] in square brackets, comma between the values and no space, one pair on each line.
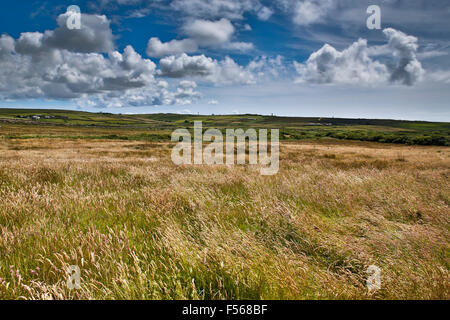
[140,227]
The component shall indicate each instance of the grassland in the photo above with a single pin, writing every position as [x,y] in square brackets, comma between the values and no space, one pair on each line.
[108,199]
[15,123]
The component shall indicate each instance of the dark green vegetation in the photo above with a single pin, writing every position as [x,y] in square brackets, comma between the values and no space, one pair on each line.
[17,123]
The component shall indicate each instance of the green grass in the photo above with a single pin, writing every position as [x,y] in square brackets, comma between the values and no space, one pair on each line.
[158,127]
[140,227]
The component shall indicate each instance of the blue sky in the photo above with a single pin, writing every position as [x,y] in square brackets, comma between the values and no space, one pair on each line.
[287,57]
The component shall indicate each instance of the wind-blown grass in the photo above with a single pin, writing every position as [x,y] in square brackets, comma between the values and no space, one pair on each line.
[140,227]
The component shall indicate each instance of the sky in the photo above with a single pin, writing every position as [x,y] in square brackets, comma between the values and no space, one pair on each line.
[282,57]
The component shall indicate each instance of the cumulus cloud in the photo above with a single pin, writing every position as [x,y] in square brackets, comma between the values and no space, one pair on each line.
[42,65]
[226,71]
[66,74]
[95,35]
[307,12]
[207,33]
[311,11]
[157,49]
[223,72]
[6,44]
[268,67]
[356,64]
[184,65]
[156,95]
[351,66]
[216,34]
[201,33]
[186,93]
[229,72]
[407,68]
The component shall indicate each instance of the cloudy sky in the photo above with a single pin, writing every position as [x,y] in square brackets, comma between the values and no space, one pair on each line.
[287,57]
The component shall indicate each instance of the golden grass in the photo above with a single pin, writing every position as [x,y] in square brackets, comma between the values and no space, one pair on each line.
[140,227]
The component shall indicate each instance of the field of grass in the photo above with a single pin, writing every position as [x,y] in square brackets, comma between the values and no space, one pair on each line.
[100,191]
[111,201]
[18,123]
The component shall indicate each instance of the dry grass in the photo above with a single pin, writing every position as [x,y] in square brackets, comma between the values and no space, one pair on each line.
[141,228]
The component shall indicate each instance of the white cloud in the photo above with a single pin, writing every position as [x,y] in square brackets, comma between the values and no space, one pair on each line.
[229,72]
[157,49]
[6,45]
[226,71]
[351,66]
[65,74]
[431,54]
[202,33]
[239,46]
[440,76]
[186,93]
[207,33]
[213,9]
[408,69]
[187,84]
[42,65]
[309,12]
[204,9]
[264,13]
[184,66]
[95,35]
[268,68]
[355,64]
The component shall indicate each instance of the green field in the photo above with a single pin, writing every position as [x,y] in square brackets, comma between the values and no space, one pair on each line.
[101,192]
[14,123]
